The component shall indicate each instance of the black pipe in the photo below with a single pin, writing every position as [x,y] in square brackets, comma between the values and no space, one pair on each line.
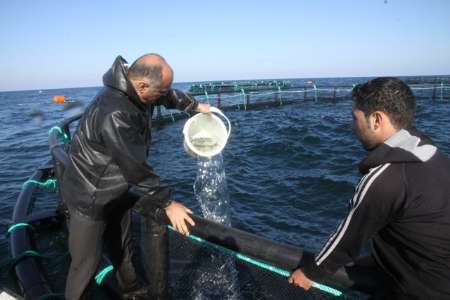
[280,255]
[283,256]
[155,249]
[29,273]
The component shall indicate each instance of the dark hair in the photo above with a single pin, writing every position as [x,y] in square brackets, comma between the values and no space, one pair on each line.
[151,72]
[387,94]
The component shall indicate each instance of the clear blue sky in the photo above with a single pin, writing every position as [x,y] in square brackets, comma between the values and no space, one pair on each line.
[61,43]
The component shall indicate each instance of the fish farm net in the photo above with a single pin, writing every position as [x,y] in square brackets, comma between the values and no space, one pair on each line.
[197,270]
[246,95]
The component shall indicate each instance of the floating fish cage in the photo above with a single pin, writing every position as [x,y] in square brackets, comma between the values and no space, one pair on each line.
[245,99]
[215,261]
[216,87]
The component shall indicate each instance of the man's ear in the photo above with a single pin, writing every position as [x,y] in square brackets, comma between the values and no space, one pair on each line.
[378,118]
[141,85]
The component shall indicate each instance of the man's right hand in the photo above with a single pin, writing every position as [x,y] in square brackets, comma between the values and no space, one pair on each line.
[178,214]
[298,278]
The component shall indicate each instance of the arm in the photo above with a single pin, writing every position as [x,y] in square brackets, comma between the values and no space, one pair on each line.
[377,198]
[182,101]
[127,145]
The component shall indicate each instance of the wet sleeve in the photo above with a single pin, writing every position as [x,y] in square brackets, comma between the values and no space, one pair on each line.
[125,140]
[176,99]
[376,200]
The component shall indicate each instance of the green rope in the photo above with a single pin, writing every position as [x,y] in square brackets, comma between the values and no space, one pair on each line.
[23,255]
[49,183]
[102,274]
[315,92]
[207,97]
[59,130]
[259,263]
[279,95]
[171,115]
[34,253]
[16,226]
[243,98]
[30,253]
[51,296]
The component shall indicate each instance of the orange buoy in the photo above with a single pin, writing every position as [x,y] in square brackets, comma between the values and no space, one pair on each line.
[309,82]
[59,99]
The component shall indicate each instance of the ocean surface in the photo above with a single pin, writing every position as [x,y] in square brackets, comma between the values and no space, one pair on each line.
[290,169]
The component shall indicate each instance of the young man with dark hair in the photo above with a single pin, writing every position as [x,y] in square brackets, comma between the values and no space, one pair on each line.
[401,204]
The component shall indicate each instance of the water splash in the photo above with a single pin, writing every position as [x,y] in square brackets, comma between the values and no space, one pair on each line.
[211,190]
[217,277]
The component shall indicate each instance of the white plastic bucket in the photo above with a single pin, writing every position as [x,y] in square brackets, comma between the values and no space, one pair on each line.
[205,134]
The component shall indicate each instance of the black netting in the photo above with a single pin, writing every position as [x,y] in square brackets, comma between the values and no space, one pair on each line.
[202,272]
[197,271]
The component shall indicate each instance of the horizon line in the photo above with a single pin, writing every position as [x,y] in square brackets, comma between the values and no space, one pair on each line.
[227,80]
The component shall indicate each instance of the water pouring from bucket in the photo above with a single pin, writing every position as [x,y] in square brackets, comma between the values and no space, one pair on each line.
[205,135]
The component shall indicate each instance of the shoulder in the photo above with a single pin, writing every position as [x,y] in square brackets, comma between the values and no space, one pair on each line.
[386,179]
[112,103]
[383,187]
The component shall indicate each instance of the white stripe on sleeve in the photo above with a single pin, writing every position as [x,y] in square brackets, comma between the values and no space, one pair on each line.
[344,225]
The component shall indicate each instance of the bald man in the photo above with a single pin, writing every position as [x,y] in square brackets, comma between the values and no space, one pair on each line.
[108,155]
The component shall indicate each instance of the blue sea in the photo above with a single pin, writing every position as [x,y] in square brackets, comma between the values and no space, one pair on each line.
[290,169]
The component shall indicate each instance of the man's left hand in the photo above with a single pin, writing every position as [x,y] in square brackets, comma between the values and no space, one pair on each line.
[203,108]
[298,278]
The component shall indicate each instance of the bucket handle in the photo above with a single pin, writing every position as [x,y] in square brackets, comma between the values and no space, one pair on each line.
[214,109]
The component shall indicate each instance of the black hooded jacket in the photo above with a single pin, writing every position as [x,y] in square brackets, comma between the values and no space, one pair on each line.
[402,204]
[109,150]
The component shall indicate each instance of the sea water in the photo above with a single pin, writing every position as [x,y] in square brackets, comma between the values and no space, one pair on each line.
[290,169]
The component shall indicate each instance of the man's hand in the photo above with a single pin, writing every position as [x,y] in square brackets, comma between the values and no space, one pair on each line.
[298,278]
[177,215]
[203,108]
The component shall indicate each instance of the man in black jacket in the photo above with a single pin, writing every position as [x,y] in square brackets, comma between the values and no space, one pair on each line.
[401,204]
[108,155]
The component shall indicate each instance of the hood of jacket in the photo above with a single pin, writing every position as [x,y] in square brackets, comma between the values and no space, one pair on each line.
[405,146]
[116,78]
